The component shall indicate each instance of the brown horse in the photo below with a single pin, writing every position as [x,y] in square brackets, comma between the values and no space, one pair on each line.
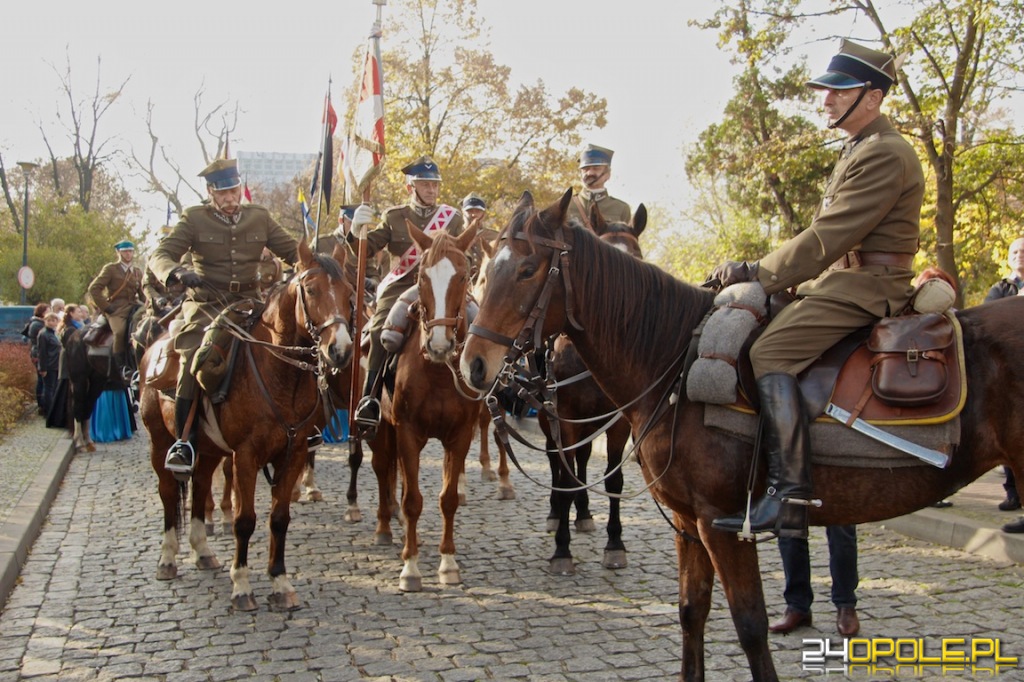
[273,407]
[426,403]
[635,340]
[580,402]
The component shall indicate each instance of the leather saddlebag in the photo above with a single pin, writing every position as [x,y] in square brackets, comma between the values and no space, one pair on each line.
[909,364]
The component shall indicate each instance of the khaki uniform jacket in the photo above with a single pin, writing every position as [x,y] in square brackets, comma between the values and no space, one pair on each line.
[393,234]
[225,255]
[115,290]
[612,210]
[872,203]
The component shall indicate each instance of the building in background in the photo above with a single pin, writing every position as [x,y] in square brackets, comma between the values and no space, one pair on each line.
[270,170]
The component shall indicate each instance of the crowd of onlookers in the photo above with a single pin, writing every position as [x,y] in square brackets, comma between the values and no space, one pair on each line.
[47,332]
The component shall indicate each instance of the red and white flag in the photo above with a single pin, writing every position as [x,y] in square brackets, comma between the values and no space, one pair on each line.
[363,151]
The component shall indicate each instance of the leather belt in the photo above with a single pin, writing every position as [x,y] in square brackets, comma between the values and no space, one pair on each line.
[856,259]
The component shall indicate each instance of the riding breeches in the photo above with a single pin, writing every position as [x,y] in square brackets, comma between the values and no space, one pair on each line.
[375,358]
[118,324]
[802,331]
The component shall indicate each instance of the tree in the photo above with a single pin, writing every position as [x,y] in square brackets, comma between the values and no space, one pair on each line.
[445,96]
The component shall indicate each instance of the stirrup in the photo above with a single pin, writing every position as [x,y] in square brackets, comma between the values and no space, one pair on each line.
[367,417]
[176,462]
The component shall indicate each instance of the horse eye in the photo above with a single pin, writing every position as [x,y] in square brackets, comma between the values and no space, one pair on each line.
[527,272]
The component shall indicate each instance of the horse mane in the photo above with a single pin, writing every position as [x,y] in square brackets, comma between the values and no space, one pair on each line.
[642,307]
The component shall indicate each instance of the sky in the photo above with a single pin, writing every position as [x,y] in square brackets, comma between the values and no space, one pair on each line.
[664,81]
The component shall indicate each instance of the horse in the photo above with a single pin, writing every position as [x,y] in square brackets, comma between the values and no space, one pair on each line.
[634,343]
[427,402]
[273,407]
[90,375]
[580,400]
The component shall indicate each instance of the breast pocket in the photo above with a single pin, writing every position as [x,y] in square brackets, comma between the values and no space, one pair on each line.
[253,238]
[211,238]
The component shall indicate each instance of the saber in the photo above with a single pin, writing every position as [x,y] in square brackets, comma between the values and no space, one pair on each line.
[933,457]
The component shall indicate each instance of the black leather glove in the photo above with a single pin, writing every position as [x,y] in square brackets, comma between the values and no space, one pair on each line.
[733,272]
[190,279]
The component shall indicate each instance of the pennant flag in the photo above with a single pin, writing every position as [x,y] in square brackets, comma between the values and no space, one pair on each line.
[246,194]
[308,226]
[330,123]
[363,151]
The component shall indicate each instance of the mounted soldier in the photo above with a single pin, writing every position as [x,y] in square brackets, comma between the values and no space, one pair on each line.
[115,291]
[595,171]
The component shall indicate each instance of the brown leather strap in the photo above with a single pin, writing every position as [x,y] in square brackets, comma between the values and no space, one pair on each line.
[856,259]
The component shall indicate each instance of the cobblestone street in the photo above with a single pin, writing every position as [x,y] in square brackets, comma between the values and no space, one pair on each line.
[87,605]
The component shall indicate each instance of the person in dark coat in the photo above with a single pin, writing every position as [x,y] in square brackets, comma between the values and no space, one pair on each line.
[48,349]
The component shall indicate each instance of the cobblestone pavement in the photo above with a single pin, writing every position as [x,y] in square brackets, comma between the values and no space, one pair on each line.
[88,607]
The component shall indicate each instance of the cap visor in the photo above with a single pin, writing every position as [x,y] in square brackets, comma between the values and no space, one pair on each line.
[835,81]
[226,184]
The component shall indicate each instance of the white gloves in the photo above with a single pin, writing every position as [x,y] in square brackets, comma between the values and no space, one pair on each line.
[362,216]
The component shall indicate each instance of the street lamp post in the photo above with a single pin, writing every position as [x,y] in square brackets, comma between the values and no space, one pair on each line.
[26,166]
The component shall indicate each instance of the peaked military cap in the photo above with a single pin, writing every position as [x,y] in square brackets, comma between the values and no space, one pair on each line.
[473,200]
[422,168]
[593,155]
[124,245]
[222,174]
[856,66]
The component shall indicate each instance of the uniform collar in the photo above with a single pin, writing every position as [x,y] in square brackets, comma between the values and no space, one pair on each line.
[594,195]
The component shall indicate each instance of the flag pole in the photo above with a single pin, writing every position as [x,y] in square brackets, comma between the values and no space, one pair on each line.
[355,390]
[322,165]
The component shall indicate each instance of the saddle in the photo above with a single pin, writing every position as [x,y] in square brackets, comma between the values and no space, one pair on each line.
[98,338]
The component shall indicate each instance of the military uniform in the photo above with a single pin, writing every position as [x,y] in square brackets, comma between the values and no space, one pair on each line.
[878,170]
[612,210]
[161,296]
[115,291]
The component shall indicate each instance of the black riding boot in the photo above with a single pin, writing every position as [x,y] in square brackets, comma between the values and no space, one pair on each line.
[368,409]
[783,508]
[181,456]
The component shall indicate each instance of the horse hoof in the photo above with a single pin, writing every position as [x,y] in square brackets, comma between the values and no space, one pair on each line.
[585,526]
[244,602]
[551,526]
[314,495]
[382,539]
[410,584]
[353,515]
[284,601]
[488,475]
[453,577]
[506,493]
[89,447]
[207,563]
[166,572]
[614,558]
[562,566]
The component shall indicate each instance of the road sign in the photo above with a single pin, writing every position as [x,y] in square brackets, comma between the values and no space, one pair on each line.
[26,278]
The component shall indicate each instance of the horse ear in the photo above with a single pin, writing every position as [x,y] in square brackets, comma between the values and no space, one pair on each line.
[597,221]
[418,236]
[463,241]
[305,254]
[555,213]
[525,203]
[340,253]
[489,247]
[639,220]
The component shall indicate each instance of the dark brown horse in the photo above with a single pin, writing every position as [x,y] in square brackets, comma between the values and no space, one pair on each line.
[273,406]
[580,403]
[426,403]
[631,323]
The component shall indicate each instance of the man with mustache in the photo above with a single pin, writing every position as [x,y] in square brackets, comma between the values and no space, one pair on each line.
[595,171]
[226,240]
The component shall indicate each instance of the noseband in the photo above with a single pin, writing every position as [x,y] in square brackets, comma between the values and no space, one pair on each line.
[314,330]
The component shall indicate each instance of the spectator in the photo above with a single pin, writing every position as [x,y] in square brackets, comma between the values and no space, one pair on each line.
[31,332]
[48,350]
[57,307]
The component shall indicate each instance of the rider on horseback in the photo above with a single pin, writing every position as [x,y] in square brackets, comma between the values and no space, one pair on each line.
[116,291]
[423,181]
[852,265]
[226,239]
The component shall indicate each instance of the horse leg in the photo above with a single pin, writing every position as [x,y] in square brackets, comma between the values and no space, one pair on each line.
[170,498]
[244,487]
[696,579]
[561,562]
[615,550]
[409,446]
[486,473]
[454,467]
[735,562]
[506,491]
[355,460]
[208,508]
[202,478]
[283,596]
[584,519]
[226,511]
[384,463]
[313,492]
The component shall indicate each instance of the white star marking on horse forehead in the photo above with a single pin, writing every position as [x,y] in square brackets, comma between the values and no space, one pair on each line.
[502,258]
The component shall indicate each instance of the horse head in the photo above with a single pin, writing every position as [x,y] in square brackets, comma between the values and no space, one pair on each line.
[623,236]
[527,294]
[323,303]
[443,285]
